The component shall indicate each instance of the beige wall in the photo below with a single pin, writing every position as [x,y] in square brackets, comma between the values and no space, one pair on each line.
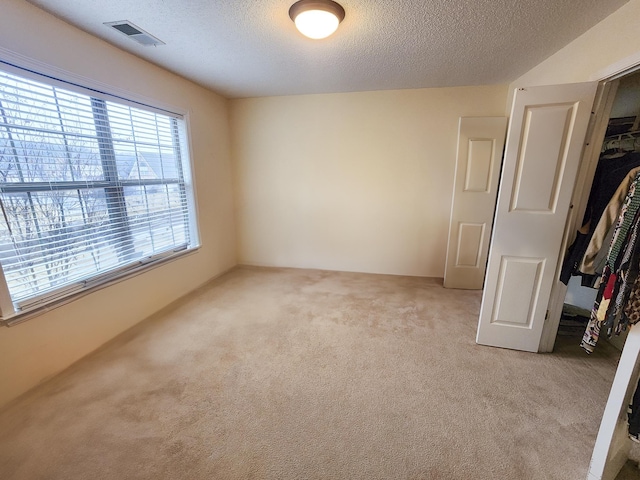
[615,39]
[627,101]
[355,181]
[39,348]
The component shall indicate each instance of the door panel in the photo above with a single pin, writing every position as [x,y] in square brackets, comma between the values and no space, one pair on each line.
[518,287]
[470,238]
[480,146]
[544,145]
[545,129]
[480,160]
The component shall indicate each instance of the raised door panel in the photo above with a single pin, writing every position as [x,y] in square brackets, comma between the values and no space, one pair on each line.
[470,236]
[542,158]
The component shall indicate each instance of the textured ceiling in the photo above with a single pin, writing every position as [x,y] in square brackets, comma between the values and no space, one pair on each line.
[247,48]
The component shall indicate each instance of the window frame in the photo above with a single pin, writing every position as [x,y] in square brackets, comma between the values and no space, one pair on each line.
[101,93]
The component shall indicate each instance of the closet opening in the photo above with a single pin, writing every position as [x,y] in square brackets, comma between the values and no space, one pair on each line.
[613,167]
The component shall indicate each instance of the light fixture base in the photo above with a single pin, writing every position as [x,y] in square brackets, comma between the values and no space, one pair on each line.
[326,5]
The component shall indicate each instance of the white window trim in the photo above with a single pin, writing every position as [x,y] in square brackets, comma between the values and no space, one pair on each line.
[28,314]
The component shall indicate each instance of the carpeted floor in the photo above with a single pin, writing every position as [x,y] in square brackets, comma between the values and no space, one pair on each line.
[298,374]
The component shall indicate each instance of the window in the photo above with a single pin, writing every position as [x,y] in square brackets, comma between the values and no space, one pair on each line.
[90,189]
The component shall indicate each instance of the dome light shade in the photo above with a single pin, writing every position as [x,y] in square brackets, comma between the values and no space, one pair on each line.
[316,18]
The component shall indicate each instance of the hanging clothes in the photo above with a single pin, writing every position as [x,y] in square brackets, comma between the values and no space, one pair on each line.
[603,231]
[611,308]
[611,181]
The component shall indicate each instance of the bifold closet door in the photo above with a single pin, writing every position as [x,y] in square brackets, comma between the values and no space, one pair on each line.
[480,147]
[544,145]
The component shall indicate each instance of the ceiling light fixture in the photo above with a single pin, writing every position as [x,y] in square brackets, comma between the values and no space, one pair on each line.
[316,18]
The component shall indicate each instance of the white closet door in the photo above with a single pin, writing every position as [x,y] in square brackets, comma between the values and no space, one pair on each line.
[544,146]
[480,146]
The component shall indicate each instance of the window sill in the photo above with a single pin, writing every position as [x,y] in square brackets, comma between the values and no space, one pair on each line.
[35,311]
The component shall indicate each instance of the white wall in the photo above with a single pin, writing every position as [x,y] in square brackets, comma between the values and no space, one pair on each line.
[612,40]
[34,350]
[354,181]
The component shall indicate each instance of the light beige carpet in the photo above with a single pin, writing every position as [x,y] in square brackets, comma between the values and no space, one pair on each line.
[297,374]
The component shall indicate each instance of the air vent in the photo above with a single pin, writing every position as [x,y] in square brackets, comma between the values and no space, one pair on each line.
[135,33]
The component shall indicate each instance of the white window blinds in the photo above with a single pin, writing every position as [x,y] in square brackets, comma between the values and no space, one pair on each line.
[88,189]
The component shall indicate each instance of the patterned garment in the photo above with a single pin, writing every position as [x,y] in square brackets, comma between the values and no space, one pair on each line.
[592,332]
[628,268]
[625,220]
[618,280]
[632,308]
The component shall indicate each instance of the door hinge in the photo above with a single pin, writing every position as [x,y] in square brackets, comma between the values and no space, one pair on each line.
[546,316]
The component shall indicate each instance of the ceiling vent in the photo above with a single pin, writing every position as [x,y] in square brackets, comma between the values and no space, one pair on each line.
[135,33]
